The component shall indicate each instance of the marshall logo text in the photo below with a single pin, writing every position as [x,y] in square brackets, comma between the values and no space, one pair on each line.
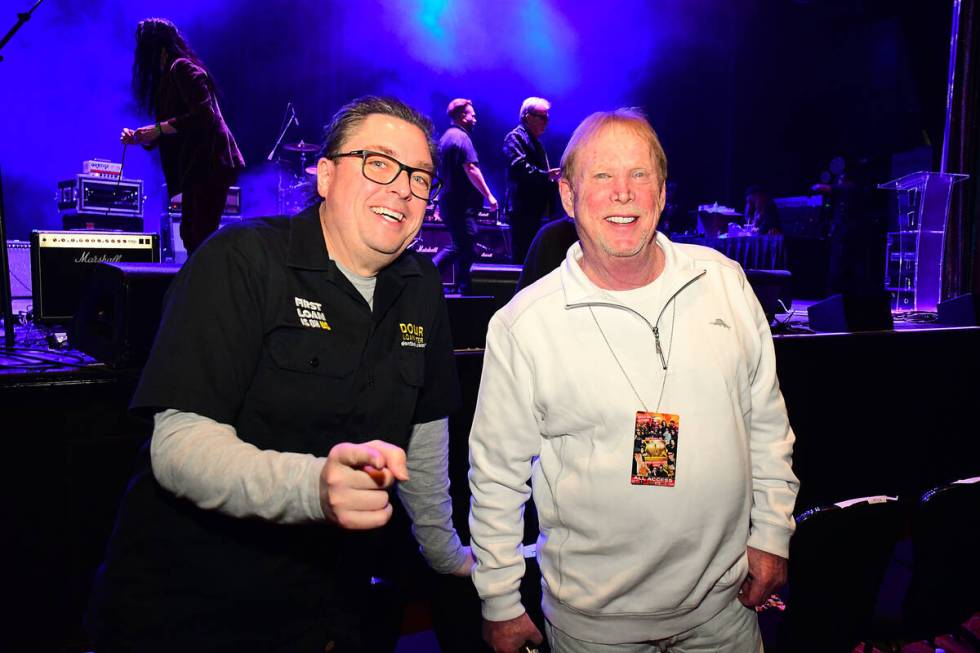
[88,257]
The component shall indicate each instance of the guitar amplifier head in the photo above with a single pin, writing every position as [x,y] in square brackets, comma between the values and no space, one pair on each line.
[61,262]
[101,195]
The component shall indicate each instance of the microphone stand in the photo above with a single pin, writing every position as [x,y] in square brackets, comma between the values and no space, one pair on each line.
[5,295]
[22,18]
[282,135]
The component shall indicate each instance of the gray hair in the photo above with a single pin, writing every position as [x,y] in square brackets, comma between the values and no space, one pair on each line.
[630,117]
[532,102]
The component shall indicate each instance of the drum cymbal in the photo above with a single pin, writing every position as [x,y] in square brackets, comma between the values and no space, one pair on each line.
[306,148]
[310,170]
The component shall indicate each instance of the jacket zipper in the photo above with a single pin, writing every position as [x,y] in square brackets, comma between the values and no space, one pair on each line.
[655,328]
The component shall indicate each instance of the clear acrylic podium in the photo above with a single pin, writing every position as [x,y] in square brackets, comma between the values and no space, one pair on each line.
[914,253]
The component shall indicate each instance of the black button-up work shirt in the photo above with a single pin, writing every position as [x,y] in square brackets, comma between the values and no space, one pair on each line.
[262,331]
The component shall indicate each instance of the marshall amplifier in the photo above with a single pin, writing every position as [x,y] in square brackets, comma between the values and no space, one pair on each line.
[99,195]
[492,244]
[62,260]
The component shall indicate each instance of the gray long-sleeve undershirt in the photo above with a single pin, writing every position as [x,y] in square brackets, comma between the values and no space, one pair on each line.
[205,462]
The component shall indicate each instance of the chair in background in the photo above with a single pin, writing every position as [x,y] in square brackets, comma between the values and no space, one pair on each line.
[945,588]
[837,561]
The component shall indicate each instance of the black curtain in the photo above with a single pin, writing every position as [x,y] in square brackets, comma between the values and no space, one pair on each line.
[961,274]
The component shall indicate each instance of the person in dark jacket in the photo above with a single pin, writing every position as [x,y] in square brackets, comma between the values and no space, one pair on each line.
[530,179]
[199,155]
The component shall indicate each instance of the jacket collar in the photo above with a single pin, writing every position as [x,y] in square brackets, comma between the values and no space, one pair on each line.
[679,270]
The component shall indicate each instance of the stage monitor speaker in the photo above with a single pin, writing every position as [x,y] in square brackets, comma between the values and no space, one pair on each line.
[843,313]
[960,311]
[497,280]
[469,316]
[772,287]
[120,311]
[62,260]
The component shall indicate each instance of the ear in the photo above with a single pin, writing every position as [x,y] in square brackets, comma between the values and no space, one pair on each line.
[324,176]
[663,196]
[567,197]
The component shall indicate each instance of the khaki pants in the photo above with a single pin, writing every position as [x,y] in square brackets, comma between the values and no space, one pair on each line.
[733,630]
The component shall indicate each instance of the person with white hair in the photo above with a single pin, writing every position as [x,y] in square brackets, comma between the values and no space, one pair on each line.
[530,179]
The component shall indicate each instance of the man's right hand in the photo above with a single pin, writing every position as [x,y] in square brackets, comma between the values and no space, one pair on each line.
[354,483]
[508,636]
[492,201]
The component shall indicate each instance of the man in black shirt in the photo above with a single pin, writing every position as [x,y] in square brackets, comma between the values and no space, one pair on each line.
[531,188]
[464,190]
[297,360]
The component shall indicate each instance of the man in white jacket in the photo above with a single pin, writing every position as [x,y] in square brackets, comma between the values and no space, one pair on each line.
[635,387]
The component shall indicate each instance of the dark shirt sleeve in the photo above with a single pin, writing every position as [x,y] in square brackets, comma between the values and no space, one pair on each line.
[211,333]
[467,150]
[192,84]
[440,396]
[519,167]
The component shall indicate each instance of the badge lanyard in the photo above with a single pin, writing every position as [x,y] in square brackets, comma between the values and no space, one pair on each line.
[670,350]
[655,435]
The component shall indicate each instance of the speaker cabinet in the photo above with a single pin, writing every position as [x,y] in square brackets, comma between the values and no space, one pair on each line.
[19,257]
[120,311]
[497,280]
[960,311]
[469,316]
[61,262]
[772,287]
[843,313]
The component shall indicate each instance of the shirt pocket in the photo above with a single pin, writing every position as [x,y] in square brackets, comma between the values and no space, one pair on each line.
[314,352]
[411,367]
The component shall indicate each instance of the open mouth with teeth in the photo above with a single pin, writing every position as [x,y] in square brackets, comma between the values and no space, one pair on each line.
[621,219]
[388,214]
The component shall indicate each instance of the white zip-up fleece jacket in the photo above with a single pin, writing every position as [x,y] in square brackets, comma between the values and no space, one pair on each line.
[622,562]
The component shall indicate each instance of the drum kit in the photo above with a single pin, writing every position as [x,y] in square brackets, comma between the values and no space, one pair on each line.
[296,187]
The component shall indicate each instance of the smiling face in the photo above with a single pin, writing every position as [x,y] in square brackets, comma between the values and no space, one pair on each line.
[615,197]
[367,225]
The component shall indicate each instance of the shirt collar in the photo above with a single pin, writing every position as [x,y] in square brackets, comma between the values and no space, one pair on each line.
[679,269]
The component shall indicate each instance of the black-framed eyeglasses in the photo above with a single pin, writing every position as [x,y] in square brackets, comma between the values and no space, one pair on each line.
[383,169]
[542,116]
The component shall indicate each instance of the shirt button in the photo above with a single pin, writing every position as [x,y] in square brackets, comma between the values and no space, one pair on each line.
[314,362]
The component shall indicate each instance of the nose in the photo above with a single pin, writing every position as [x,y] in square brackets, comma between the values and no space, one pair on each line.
[621,191]
[401,186]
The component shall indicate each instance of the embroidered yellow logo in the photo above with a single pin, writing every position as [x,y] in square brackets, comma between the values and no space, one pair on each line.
[413,335]
[311,314]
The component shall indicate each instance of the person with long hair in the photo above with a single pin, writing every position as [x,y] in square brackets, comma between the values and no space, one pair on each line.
[198,152]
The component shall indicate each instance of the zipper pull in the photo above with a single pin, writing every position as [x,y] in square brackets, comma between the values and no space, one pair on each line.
[660,351]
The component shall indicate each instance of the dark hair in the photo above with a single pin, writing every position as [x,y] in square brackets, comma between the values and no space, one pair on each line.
[154,35]
[352,114]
